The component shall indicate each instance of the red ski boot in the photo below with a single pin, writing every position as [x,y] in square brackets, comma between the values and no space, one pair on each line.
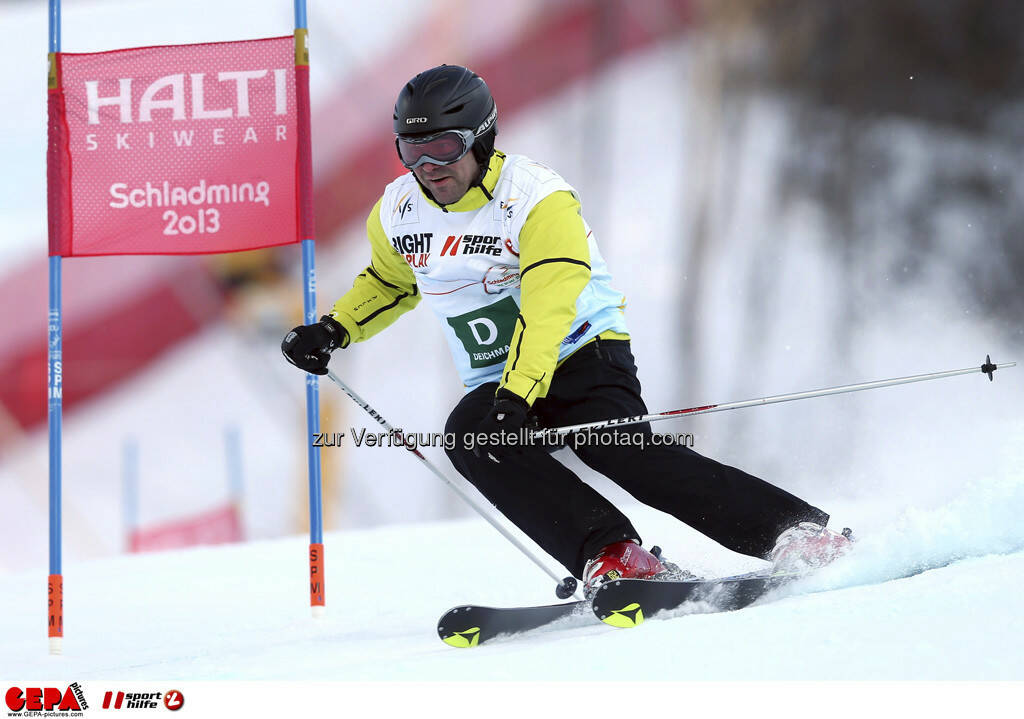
[808,546]
[622,560]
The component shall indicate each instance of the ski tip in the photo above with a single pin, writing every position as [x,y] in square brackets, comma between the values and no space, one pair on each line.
[629,616]
[464,639]
[566,588]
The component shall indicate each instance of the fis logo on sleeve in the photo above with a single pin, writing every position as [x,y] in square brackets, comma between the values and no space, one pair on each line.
[406,210]
[505,209]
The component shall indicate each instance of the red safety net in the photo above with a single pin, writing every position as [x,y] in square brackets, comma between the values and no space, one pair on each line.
[218,526]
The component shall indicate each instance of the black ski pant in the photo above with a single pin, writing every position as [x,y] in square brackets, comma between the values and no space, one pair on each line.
[568,518]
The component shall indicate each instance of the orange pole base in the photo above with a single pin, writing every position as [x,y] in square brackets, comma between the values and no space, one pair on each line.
[55,611]
[317,593]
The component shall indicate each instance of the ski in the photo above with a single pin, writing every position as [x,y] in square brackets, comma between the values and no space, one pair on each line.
[627,602]
[469,625]
[621,603]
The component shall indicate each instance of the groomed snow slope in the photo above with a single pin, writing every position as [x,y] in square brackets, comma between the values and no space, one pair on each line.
[239,612]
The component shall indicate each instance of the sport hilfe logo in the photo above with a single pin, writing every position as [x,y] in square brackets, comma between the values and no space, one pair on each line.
[35,699]
[172,700]
[472,245]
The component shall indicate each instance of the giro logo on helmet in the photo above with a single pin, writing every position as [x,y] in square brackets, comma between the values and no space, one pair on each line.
[414,120]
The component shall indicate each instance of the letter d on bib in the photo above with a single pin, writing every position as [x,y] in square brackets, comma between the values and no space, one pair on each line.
[485,332]
[490,327]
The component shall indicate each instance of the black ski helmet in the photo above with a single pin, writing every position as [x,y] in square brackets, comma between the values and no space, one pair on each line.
[449,97]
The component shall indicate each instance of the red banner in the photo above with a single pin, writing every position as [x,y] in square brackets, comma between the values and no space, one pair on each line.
[219,526]
[181,149]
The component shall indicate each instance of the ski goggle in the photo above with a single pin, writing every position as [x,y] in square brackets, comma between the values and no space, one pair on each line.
[441,148]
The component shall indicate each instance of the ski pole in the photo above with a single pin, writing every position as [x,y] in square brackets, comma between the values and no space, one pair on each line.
[566,587]
[987,368]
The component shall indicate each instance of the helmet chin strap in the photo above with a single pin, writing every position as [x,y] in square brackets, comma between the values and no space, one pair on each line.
[480,183]
[484,163]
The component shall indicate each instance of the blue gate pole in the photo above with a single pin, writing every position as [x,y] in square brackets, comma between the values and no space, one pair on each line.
[317,594]
[55,581]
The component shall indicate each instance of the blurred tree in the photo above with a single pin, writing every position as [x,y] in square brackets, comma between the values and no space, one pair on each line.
[908,121]
[966,57]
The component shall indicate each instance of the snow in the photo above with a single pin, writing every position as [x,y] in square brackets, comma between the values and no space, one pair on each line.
[240,612]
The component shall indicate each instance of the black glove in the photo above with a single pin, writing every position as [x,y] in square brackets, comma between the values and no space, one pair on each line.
[309,347]
[510,414]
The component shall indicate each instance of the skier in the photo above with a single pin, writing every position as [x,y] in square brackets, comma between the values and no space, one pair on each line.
[498,246]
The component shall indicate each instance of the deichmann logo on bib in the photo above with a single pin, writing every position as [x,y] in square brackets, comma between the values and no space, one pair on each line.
[486,332]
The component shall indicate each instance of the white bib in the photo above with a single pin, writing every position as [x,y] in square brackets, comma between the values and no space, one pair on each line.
[467,266]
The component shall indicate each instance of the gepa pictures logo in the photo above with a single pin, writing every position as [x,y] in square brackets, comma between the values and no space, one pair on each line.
[49,699]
